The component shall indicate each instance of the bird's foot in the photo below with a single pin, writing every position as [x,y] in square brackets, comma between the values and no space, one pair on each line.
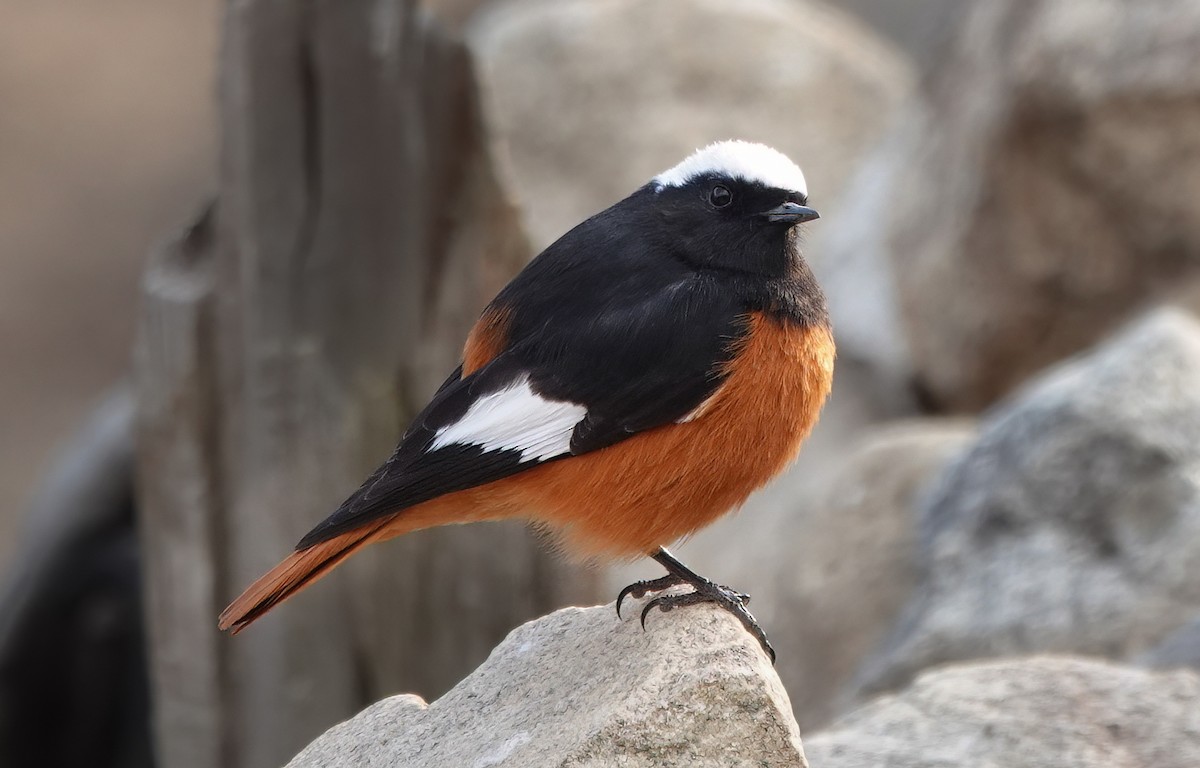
[724,597]
[640,589]
[703,591]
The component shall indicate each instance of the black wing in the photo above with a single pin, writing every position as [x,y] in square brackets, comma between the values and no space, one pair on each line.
[599,349]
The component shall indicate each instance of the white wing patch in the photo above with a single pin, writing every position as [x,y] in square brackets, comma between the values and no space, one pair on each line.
[515,418]
[738,160]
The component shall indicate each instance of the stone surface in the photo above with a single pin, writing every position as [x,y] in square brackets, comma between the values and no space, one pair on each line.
[919,27]
[1073,522]
[849,563]
[592,99]
[1024,713]
[1180,649]
[582,688]
[856,270]
[1045,191]
[453,13]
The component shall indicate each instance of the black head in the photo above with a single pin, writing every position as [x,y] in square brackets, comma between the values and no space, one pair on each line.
[731,206]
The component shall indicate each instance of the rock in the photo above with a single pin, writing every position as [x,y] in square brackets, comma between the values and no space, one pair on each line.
[1073,522]
[851,560]
[593,99]
[855,267]
[453,13]
[1045,191]
[1180,649]
[581,688]
[919,27]
[1024,713]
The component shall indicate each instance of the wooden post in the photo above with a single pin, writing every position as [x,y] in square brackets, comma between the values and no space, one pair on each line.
[285,340]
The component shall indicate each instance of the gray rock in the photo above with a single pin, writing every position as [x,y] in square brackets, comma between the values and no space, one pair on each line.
[1037,712]
[848,560]
[1073,523]
[454,13]
[920,27]
[1180,649]
[593,99]
[582,688]
[1044,192]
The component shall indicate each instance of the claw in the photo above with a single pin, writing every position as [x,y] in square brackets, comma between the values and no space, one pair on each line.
[638,589]
[705,591]
[668,603]
[626,593]
[621,598]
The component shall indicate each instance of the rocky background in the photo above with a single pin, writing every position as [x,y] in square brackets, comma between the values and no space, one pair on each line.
[988,554]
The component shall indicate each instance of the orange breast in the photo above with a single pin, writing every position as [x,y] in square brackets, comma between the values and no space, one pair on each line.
[663,484]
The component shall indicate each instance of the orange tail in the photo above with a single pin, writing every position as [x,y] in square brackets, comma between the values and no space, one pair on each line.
[296,572]
[305,566]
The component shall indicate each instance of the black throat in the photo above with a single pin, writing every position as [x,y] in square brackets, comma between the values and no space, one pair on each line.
[790,295]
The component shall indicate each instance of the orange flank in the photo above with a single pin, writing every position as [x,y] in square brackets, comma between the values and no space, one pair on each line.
[487,339]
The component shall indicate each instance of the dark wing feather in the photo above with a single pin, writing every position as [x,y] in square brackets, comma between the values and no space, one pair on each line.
[638,340]
[415,473]
[645,364]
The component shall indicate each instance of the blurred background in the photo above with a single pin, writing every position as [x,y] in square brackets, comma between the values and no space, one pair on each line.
[234,264]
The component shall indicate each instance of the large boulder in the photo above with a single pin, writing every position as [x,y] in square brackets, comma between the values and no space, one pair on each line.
[592,99]
[1045,188]
[849,562]
[582,688]
[1073,523]
[1024,713]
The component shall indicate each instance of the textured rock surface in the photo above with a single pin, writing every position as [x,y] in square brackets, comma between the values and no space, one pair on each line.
[1024,713]
[1073,523]
[847,563]
[581,688]
[1048,192]
[592,99]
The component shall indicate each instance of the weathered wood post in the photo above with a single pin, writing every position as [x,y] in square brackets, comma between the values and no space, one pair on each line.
[358,229]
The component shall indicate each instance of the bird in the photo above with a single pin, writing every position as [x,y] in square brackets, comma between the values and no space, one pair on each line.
[637,380]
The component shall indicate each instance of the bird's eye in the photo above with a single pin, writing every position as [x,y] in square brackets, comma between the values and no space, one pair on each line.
[720,196]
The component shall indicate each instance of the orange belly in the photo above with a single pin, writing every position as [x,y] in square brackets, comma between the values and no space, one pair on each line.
[663,484]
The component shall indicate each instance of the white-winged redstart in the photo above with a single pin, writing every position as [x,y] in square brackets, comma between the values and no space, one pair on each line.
[637,380]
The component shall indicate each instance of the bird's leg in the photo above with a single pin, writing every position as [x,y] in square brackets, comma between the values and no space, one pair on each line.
[704,591]
[678,574]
